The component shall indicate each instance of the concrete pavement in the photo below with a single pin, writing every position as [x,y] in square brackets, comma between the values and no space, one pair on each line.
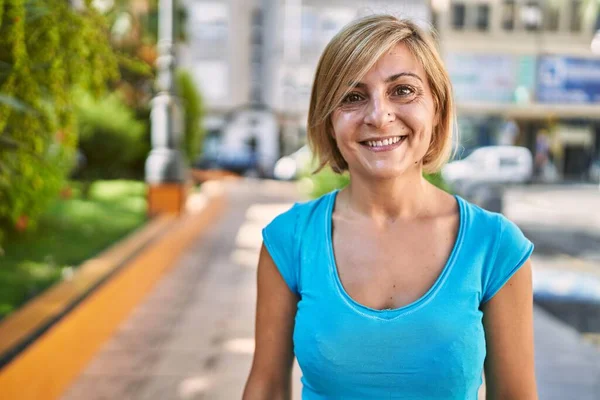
[561,219]
[193,336]
[564,223]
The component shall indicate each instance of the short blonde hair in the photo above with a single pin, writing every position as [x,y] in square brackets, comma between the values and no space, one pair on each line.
[349,56]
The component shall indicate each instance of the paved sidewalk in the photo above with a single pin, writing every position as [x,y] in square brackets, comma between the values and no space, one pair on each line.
[567,367]
[193,336]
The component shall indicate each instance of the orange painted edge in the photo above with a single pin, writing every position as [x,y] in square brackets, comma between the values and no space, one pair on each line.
[47,367]
[42,309]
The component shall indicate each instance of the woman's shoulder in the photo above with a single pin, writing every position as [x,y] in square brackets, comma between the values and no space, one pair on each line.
[478,217]
[487,222]
[302,212]
[495,234]
[284,235]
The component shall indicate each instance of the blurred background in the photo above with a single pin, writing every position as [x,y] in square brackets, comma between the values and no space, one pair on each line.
[112,111]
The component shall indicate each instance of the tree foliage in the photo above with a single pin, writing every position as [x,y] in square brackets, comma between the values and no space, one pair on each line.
[193,111]
[110,138]
[46,49]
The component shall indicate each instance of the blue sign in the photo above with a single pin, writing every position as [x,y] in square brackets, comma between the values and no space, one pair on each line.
[568,80]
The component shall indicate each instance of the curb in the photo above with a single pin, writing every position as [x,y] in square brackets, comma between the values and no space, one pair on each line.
[47,343]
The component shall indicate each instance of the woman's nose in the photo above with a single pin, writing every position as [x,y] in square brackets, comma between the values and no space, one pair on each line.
[379,112]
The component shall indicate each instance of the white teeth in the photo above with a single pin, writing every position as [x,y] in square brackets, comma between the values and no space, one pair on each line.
[385,142]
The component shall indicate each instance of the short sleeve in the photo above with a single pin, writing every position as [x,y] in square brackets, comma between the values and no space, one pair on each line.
[513,249]
[280,241]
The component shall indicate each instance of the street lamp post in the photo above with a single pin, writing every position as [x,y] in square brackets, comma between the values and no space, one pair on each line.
[165,169]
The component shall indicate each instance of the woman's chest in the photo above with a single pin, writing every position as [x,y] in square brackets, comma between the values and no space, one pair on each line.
[376,357]
[387,270]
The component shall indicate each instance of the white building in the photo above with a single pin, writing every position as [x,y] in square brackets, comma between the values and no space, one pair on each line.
[526,64]
[244,52]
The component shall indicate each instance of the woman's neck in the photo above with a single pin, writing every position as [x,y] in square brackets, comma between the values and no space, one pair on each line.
[407,196]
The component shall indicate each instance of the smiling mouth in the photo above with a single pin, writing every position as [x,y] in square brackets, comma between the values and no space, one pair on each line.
[385,144]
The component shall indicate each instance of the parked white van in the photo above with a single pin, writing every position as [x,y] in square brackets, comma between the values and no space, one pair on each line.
[494,164]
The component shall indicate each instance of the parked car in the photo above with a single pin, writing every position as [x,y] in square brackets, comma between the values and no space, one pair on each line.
[493,164]
[241,162]
[291,166]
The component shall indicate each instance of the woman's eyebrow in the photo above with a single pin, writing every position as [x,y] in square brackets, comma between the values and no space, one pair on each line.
[392,78]
[401,74]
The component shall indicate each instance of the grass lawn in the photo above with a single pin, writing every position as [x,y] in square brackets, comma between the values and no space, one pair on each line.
[70,232]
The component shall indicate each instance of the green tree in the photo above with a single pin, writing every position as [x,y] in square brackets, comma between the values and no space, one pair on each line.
[193,111]
[46,49]
[110,138]
[590,10]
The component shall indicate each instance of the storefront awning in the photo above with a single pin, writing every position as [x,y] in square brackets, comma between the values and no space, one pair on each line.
[531,111]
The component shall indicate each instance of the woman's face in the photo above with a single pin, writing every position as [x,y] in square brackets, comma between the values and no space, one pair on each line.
[384,124]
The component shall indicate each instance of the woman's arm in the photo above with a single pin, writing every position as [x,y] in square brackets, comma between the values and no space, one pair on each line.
[508,324]
[271,373]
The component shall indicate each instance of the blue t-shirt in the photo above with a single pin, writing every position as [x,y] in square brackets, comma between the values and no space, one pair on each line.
[433,348]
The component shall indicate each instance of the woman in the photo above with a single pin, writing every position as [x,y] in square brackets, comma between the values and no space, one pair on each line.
[390,288]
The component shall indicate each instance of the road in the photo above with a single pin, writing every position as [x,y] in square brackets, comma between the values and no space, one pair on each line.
[564,223]
[562,220]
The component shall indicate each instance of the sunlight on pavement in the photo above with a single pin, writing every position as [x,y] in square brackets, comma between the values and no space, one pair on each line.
[195,203]
[565,283]
[189,388]
[240,346]
[264,213]
[245,258]
[213,188]
[249,237]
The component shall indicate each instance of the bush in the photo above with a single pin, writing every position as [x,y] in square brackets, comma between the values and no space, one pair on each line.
[72,230]
[191,101]
[46,48]
[326,180]
[437,180]
[110,137]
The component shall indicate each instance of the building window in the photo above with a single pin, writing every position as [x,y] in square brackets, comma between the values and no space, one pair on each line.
[209,23]
[459,15]
[308,28]
[332,20]
[508,15]
[531,16]
[551,18]
[483,17]
[576,15]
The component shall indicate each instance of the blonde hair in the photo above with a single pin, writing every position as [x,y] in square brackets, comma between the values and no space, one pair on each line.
[349,56]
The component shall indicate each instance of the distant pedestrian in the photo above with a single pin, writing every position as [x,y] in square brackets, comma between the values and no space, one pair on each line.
[390,288]
[542,154]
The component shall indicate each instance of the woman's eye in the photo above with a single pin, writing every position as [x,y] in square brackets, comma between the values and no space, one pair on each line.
[352,98]
[403,91]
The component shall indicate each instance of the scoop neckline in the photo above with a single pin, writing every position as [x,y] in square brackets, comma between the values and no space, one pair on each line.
[391,313]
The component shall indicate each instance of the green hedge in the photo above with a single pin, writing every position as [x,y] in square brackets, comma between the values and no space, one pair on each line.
[111,138]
